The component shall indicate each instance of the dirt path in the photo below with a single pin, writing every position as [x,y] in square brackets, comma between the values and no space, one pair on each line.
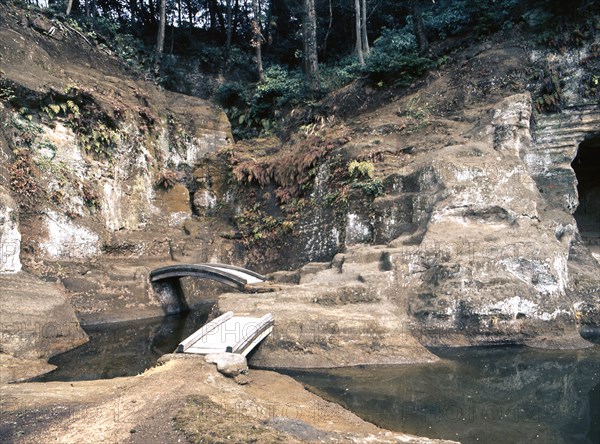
[184,400]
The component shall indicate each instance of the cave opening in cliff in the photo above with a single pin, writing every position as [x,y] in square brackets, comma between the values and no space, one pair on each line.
[587,169]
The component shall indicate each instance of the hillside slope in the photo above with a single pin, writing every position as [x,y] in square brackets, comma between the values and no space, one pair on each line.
[437,214]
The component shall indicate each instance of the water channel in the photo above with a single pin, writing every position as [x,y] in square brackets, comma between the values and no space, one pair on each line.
[477,395]
[125,348]
[474,395]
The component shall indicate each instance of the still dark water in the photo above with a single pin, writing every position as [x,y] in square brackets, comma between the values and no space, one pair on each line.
[477,395]
[125,348]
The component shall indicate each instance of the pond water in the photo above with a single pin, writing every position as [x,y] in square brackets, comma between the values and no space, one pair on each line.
[125,348]
[474,395]
[477,395]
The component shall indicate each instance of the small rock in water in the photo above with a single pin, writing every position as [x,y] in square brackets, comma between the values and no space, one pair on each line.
[229,364]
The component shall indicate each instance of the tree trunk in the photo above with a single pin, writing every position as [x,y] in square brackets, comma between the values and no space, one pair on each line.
[133,10]
[179,19]
[324,49]
[69,7]
[213,19]
[172,34]
[268,31]
[160,40]
[363,29]
[152,11]
[257,39]
[190,13]
[419,29]
[235,18]
[310,37]
[220,18]
[229,31]
[359,51]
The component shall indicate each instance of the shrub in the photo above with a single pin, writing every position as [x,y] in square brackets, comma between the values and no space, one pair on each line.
[254,112]
[453,20]
[457,17]
[232,94]
[361,170]
[395,57]
[280,87]
[342,73]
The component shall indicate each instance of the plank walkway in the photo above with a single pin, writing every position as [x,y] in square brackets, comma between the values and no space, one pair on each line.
[228,333]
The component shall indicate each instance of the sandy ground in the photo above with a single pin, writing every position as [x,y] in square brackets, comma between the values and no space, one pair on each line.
[183,400]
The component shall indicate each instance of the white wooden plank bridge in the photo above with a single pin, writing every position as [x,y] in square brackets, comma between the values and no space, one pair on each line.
[228,333]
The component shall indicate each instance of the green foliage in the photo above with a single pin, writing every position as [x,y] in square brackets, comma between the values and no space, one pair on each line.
[362,176]
[491,15]
[256,224]
[395,58]
[460,17]
[339,74]
[100,139]
[232,94]
[256,112]
[281,87]
[95,129]
[67,109]
[332,198]
[451,19]
[361,170]
[373,188]
[7,93]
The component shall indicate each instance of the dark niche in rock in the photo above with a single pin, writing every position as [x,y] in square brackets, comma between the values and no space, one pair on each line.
[587,169]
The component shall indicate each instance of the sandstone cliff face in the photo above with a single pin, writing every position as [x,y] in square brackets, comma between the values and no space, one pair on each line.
[474,241]
[83,217]
[483,258]
[10,236]
[494,263]
[464,235]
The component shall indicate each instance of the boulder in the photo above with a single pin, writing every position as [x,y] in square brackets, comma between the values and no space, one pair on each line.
[229,364]
[37,320]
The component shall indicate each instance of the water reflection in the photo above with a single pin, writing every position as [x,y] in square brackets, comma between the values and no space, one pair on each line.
[125,348]
[478,395]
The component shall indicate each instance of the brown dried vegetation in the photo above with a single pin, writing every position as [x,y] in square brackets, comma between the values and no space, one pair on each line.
[291,169]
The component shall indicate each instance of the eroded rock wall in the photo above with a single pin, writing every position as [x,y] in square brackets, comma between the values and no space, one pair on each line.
[10,236]
[493,263]
[484,259]
[84,148]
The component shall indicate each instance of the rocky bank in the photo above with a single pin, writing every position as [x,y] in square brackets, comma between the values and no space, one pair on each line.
[465,219]
[462,231]
[456,212]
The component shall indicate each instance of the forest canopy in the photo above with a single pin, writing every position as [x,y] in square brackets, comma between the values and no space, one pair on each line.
[273,55]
